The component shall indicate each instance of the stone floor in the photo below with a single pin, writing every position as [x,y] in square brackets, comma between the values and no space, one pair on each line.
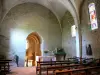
[23,71]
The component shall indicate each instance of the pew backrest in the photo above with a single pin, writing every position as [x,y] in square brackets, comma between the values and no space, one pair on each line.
[76,70]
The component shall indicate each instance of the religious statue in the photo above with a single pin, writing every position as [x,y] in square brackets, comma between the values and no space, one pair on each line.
[88,50]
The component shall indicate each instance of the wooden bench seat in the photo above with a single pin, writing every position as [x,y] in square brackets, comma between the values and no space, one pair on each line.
[87,71]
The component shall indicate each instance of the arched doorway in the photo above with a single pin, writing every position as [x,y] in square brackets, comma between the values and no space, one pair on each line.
[32,48]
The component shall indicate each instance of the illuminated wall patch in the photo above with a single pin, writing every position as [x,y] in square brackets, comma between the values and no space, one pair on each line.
[73,30]
[93,18]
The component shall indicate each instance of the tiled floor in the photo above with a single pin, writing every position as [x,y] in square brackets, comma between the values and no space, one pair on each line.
[23,71]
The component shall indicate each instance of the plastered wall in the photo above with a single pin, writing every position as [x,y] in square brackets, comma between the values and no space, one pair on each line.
[68,42]
[24,19]
[90,36]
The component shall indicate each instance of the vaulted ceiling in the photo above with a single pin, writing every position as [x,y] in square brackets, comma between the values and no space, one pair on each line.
[58,7]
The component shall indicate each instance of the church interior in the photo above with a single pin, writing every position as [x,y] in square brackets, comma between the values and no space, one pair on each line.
[49,37]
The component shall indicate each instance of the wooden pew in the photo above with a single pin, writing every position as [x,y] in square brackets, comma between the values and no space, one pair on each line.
[71,66]
[54,62]
[54,68]
[4,65]
[93,62]
[87,71]
[80,60]
[43,64]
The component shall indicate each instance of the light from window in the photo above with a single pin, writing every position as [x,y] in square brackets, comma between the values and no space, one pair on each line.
[73,31]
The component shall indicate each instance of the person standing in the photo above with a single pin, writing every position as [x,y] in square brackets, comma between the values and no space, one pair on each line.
[17,60]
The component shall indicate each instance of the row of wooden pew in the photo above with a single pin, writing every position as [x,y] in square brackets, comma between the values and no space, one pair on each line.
[4,66]
[80,71]
[48,66]
[65,67]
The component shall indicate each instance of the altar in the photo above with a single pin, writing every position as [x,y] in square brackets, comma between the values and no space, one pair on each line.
[45,58]
[60,54]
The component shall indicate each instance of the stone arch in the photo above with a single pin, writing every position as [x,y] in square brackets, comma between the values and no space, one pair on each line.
[34,45]
[36,36]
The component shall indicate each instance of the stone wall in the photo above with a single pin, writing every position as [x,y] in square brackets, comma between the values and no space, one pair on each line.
[68,42]
[1,9]
[90,36]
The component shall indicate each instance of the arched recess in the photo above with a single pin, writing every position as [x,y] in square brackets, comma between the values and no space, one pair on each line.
[33,47]
[67,40]
[76,18]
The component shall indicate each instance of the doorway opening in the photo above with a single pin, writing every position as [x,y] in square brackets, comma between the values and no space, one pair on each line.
[33,49]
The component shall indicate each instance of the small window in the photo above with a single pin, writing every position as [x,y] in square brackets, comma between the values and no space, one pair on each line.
[73,31]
